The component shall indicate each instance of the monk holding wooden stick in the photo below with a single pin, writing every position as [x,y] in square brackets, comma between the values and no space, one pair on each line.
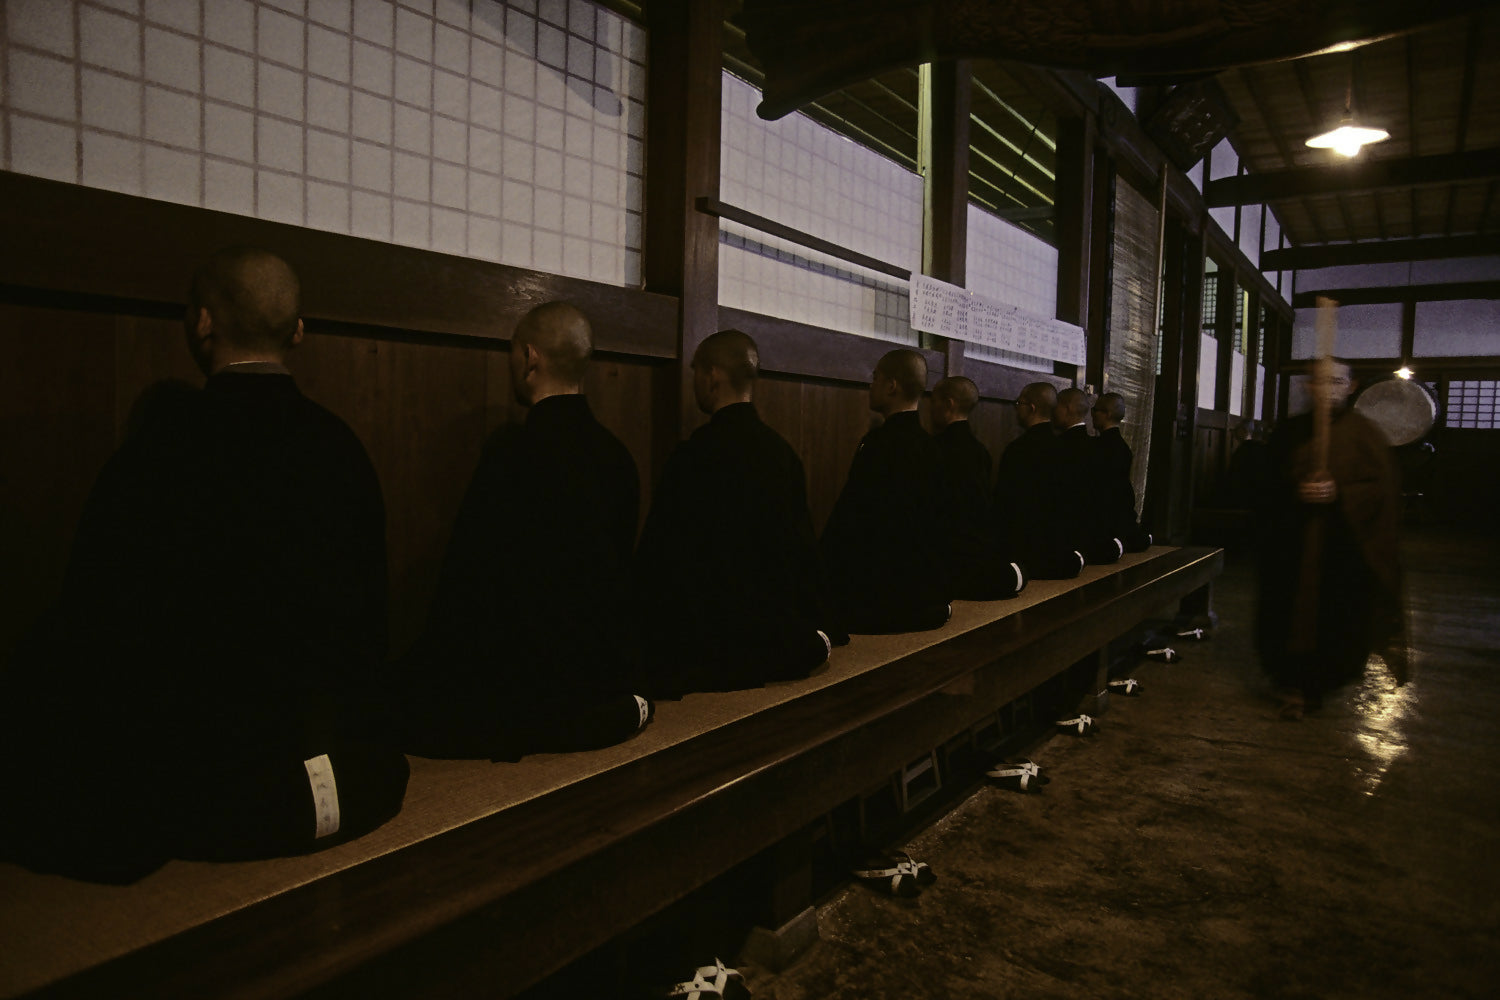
[1329,572]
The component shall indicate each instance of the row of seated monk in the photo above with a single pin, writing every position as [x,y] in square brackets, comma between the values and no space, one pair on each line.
[213,682]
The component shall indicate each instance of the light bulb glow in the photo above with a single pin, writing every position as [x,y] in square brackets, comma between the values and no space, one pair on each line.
[1348,138]
[1404,372]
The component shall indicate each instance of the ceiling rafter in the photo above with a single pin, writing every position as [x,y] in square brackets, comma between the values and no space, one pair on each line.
[1354,176]
[1251,76]
[1387,252]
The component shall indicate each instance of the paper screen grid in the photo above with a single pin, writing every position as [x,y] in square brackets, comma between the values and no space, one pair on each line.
[1471,403]
[802,175]
[1010,265]
[507,131]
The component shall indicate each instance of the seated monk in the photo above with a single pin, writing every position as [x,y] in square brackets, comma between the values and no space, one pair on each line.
[527,645]
[195,690]
[731,584]
[1023,507]
[886,565]
[1114,467]
[1077,485]
[981,571]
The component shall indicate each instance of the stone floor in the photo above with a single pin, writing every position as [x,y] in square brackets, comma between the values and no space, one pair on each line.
[1200,847]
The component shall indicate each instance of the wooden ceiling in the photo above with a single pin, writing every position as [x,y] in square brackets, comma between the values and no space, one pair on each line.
[1436,177]
[1429,77]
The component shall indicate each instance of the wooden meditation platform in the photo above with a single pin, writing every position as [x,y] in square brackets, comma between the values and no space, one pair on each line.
[495,875]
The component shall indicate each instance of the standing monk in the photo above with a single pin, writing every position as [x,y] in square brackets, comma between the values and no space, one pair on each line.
[881,543]
[981,569]
[731,582]
[527,645]
[1330,578]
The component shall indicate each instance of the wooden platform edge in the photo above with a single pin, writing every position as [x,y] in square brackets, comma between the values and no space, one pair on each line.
[500,903]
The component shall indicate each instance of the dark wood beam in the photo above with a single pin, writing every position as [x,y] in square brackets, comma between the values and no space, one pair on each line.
[681,248]
[1348,178]
[140,252]
[945,159]
[1413,83]
[791,348]
[1038,213]
[1408,327]
[1383,252]
[946,249]
[719,210]
[1483,222]
[1446,292]
[1253,86]
[1096,321]
[1075,212]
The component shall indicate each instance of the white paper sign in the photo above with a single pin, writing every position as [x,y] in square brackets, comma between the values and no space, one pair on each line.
[953,312]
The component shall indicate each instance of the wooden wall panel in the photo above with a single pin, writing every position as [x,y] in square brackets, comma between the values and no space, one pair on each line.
[57,428]
[994,424]
[419,408]
[621,393]
[824,421]
[146,351]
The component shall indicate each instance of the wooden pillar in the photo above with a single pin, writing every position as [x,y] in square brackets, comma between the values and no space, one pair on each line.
[1195,249]
[1161,464]
[1075,219]
[681,251]
[1272,353]
[1101,270]
[1252,357]
[1226,332]
[944,162]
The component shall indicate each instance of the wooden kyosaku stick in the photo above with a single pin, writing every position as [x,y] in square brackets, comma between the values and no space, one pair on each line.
[1304,632]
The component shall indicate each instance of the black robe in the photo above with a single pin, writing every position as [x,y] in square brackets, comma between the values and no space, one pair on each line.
[527,643]
[1077,488]
[222,619]
[981,568]
[1316,631]
[731,583]
[1114,464]
[1023,515]
[885,556]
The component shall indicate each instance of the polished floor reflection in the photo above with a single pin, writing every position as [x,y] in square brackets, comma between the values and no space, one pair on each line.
[1200,847]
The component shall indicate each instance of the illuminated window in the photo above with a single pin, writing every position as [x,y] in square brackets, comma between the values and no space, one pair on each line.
[1471,404]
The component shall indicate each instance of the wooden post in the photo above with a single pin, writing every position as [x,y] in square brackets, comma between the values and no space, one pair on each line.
[1075,213]
[681,252]
[1187,418]
[1096,317]
[944,162]
[1162,467]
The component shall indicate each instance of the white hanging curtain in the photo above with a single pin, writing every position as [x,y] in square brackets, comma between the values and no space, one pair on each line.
[1134,336]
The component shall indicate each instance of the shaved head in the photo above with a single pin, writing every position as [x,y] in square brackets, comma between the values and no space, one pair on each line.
[732,352]
[561,335]
[909,370]
[252,296]
[1112,405]
[960,393]
[1072,404]
[1041,397]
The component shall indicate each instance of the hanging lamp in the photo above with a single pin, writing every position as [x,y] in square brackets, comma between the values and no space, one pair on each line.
[1349,136]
